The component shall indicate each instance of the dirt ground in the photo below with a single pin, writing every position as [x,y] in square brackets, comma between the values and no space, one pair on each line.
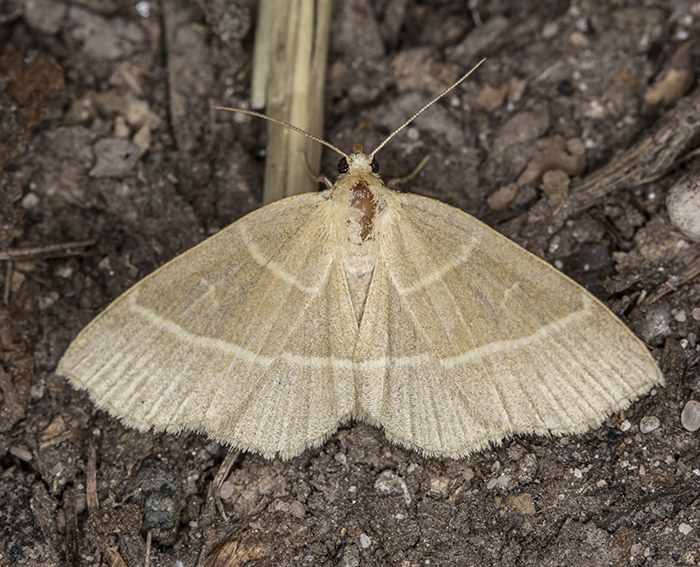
[106,135]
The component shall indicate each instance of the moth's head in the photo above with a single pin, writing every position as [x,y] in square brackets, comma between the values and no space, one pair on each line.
[358,162]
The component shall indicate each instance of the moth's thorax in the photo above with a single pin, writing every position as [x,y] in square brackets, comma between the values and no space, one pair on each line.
[359,202]
[362,199]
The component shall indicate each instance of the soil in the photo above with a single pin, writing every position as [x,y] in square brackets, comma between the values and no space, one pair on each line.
[106,134]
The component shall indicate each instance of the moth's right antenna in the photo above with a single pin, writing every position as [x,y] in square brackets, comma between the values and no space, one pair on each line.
[425,107]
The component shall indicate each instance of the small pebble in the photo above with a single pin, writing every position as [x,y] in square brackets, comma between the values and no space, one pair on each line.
[527,468]
[690,417]
[549,30]
[649,423]
[46,301]
[683,205]
[502,197]
[365,541]
[468,474]
[685,529]
[656,323]
[115,158]
[30,200]
[142,139]
[296,509]
[64,271]
[121,129]
[47,16]
[226,490]
[440,485]
[16,281]
[388,483]
[577,39]
[349,556]
[137,112]
[523,503]
[21,453]
[595,110]
[501,482]
[625,425]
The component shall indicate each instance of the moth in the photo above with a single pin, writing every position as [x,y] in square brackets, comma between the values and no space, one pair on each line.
[362,303]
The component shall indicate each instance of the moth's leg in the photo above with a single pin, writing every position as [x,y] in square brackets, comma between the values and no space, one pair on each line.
[317,178]
[398,181]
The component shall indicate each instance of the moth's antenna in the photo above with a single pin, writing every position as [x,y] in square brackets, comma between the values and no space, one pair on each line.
[425,107]
[331,146]
[282,123]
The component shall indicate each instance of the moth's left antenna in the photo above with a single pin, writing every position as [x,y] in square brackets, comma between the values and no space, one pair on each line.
[282,123]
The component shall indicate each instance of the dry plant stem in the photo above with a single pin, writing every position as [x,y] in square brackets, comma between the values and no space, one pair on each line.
[262,52]
[277,97]
[315,104]
[650,158]
[93,503]
[293,41]
[8,283]
[13,407]
[221,476]
[50,251]
[72,534]
[301,91]
[149,539]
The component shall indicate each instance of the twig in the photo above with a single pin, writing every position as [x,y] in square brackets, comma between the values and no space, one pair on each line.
[289,67]
[691,271]
[149,540]
[71,539]
[93,503]
[8,281]
[221,476]
[50,251]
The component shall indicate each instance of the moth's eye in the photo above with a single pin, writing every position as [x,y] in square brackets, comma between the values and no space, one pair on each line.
[374,165]
[343,166]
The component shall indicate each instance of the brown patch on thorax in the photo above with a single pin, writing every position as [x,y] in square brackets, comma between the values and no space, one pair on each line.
[363,201]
